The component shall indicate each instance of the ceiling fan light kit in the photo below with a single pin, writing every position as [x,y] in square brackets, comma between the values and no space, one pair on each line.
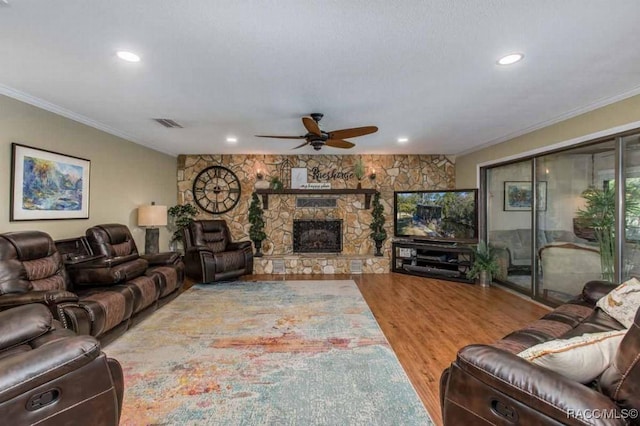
[318,138]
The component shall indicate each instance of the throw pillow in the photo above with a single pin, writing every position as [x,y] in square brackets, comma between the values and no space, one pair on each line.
[581,358]
[623,302]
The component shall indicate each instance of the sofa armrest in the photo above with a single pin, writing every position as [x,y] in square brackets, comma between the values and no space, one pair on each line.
[198,249]
[104,262]
[543,390]
[596,290]
[239,245]
[105,273]
[166,258]
[43,364]
[14,330]
[49,298]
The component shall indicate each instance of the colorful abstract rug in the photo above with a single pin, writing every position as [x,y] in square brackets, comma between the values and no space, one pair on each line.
[265,353]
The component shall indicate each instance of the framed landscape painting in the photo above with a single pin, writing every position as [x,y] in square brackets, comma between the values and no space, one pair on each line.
[48,185]
[517,196]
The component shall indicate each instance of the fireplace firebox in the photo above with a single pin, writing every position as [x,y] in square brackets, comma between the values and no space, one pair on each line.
[317,236]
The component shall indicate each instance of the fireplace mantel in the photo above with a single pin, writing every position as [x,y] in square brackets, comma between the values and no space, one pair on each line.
[368,192]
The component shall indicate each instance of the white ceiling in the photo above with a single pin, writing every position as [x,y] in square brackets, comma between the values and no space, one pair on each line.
[421,69]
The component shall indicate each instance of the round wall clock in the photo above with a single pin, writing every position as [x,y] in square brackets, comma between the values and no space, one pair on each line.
[216,189]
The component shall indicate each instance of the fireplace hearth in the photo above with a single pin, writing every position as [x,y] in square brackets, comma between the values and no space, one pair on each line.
[317,236]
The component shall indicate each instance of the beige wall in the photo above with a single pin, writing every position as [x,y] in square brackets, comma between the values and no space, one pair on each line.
[617,114]
[124,175]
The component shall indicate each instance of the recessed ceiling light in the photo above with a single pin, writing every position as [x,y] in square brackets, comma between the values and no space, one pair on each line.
[403,140]
[232,140]
[128,56]
[511,58]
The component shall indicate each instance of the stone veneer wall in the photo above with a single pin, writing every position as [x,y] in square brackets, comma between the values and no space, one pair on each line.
[393,173]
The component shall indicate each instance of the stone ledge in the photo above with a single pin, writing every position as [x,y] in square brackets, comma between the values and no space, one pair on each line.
[321,263]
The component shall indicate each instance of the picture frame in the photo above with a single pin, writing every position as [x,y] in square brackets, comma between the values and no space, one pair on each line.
[47,185]
[298,177]
[517,196]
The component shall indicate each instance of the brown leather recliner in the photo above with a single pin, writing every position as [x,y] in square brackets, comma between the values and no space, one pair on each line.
[210,255]
[491,385]
[116,243]
[50,376]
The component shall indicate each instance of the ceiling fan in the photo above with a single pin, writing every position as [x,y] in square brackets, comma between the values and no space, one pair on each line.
[318,138]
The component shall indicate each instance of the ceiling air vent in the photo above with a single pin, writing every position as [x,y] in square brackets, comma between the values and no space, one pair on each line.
[167,122]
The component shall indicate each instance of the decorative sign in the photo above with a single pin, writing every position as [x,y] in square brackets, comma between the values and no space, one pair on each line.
[334,174]
[314,185]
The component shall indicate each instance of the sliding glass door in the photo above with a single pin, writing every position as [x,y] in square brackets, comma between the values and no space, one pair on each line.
[508,222]
[552,219]
[571,193]
[630,246]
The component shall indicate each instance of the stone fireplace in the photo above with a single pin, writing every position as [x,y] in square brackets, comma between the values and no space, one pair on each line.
[317,236]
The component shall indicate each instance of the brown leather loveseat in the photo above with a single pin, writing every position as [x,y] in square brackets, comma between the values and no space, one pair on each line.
[491,385]
[51,376]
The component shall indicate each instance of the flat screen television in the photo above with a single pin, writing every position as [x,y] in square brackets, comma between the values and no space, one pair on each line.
[442,215]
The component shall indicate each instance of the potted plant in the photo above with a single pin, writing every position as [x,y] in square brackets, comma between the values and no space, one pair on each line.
[256,231]
[182,215]
[599,214]
[485,264]
[378,233]
[358,171]
[276,184]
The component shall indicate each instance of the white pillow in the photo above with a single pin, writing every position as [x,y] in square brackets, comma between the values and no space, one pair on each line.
[623,302]
[581,358]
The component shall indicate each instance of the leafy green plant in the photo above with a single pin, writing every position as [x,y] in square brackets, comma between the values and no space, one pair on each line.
[599,214]
[378,233]
[182,215]
[485,259]
[276,183]
[256,219]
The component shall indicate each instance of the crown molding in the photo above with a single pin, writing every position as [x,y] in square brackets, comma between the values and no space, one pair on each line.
[56,109]
[562,117]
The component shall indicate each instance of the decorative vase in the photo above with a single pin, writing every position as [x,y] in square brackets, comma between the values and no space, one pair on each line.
[359,184]
[258,245]
[379,248]
[485,279]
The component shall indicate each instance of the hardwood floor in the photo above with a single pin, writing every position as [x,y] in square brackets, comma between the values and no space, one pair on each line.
[426,321]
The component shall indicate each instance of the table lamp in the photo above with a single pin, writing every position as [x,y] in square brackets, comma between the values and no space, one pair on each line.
[151,217]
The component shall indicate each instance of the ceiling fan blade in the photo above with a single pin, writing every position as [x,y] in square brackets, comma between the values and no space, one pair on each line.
[301,145]
[311,125]
[280,137]
[337,143]
[352,133]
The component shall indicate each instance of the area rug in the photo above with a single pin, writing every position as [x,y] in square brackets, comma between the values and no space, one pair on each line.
[264,353]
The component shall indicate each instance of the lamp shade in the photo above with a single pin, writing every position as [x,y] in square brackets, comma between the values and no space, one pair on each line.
[152,215]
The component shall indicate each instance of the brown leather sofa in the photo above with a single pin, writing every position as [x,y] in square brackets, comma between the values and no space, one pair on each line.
[114,242]
[210,255]
[491,385]
[51,376]
[103,297]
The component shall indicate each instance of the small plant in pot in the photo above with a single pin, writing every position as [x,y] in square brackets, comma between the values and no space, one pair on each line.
[256,219]
[182,215]
[485,264]
[378,233]
[276,184]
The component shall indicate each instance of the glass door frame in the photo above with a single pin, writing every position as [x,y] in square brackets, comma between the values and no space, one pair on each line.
[619,173]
